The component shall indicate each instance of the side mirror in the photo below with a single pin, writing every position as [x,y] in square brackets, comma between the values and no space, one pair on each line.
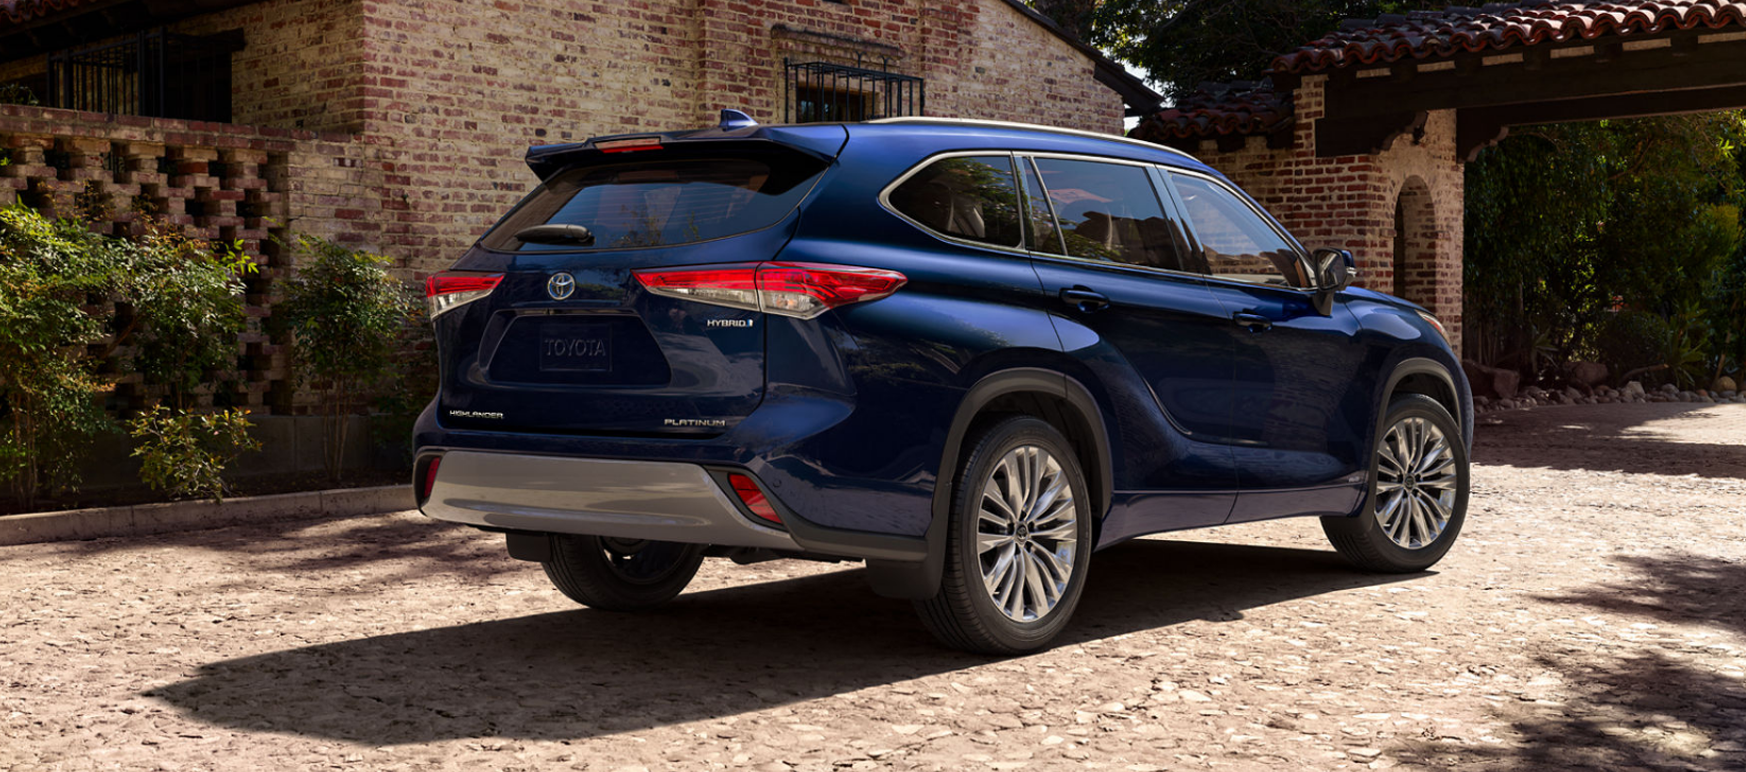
[1335,270]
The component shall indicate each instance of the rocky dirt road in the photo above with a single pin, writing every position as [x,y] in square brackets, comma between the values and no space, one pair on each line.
[1592,617]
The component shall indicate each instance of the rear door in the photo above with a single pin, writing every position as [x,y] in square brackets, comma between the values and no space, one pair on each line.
[570,342]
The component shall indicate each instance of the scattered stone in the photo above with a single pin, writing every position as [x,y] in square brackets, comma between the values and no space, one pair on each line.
[1491,381]
[1585,374]
[1724,384]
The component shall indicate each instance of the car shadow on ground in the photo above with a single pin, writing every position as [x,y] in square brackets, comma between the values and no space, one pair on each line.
[1605,438]
[583,673]
[1656,707]
[416,547]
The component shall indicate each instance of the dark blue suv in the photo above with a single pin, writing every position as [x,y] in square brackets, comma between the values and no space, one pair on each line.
[969,354]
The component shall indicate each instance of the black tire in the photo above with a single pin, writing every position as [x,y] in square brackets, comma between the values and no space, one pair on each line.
[964,614]
[1364,540]
[618,574]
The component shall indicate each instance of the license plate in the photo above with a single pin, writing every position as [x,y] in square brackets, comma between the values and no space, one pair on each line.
[576,348]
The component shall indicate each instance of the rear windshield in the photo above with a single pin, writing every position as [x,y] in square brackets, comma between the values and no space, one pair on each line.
[662,202]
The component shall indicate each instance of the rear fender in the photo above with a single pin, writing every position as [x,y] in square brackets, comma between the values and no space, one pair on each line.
[921,581]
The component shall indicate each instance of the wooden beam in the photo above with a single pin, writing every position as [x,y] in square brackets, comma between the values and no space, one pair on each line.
[1653,71]
[1364,136]
[1475,131]
[1479,127]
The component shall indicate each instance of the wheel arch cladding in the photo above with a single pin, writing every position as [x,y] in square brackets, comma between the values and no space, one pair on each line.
[1060,400]
[1431,379]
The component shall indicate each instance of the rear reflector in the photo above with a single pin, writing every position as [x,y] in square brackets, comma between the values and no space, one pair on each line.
[446,292]
[429,483]
[800,290]
[753,498]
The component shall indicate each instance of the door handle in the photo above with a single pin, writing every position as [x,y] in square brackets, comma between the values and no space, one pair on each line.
[1255,322]
[1084,299]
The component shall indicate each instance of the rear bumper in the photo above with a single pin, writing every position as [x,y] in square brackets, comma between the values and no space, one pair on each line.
[663,501]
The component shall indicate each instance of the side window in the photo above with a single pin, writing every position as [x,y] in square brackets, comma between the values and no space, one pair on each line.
[1237,243]
[1043,236]
[1109,212]
[967,197]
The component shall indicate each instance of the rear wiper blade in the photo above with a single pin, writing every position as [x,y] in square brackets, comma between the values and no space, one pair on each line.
[555,234]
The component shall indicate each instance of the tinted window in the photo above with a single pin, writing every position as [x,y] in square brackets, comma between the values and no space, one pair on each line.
[662,202]
[969,198]
[1043,235]
[1109,212]
[1237,243]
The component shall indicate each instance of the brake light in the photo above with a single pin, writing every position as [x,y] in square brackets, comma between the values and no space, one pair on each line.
[630,145]
[753,498]
[800,290]
[446,292]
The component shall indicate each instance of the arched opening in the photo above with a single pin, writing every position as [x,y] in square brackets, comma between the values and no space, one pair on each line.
[1415,244]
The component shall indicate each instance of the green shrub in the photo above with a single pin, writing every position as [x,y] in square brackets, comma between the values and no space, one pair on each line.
[186,297]
[57,280]
[48,386]
[345,314]
[1631,340]
[17,94]
[185,454]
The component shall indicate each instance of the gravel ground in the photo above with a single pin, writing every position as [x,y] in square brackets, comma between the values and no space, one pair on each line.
[1590,618]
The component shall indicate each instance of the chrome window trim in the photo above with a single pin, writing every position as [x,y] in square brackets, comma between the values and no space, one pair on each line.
[1086,261]
[885,199]
[1266,219]
[1035,127]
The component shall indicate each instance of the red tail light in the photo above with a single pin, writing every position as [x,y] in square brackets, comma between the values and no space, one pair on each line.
[801,290]
[444,292]
[753,498]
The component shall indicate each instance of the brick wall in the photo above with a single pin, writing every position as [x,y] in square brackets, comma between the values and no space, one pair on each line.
[400,126]
[457,91]
[218,181]
[302,67]
[447,95]
[1350,202]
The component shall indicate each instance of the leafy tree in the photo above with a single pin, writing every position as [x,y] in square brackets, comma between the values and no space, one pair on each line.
[48,270]
[1182,43]
[185,302]
[1569,226]
[346,314]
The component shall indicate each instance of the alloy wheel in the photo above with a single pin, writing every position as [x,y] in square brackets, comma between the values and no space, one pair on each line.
[1027,533]
[1415,483]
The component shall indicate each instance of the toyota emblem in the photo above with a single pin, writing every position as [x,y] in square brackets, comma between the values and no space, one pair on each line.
[561,286]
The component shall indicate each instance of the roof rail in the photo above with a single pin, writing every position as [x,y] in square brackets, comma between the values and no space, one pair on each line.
[1038,127]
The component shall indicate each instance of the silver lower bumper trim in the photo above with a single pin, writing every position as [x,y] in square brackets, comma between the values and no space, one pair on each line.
[596,497]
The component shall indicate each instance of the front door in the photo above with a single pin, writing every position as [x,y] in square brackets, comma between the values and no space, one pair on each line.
[1299,403]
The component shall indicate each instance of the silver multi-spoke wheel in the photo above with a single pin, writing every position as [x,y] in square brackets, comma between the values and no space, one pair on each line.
[1416,482]
[1020,539]
[1027,533]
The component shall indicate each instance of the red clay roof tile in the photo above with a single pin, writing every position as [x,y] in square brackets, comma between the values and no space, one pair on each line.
[1216,109]
[1427,34]
[21,11]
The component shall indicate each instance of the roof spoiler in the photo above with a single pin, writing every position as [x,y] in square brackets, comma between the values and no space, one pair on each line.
[822,140]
